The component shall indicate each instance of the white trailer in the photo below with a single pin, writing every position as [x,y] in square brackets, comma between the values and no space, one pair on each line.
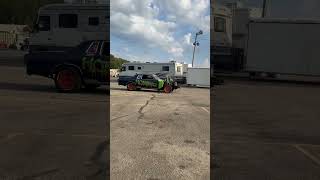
[198,77]
[171,68]
[67,25]
[283,46]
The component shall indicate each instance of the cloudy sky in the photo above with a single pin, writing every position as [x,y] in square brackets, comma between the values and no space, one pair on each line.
[160,30]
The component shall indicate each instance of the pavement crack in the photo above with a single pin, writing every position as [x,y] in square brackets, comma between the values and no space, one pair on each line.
[141,113]
[97,158]
[116,118]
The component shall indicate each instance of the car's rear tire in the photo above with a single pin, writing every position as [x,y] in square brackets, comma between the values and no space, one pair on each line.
[131,87]
[168,88]
[68,79]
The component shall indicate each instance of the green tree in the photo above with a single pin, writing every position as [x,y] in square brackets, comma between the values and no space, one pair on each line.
[116,63]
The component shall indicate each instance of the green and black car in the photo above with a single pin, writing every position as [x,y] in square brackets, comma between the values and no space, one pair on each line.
[86,65]
[152,81]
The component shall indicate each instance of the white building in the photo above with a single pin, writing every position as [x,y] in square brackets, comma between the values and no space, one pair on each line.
[12,34]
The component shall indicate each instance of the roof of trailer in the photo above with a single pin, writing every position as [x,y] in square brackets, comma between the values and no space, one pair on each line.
[74,6]
[151,63]
[285,20]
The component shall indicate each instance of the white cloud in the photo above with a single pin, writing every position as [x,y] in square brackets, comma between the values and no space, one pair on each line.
[137,20]
[189,12]
[187,39]
[153,23]
[204,64]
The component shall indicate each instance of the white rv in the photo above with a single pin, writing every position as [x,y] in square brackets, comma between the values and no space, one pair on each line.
[67,25]
[171,68]
[222,26]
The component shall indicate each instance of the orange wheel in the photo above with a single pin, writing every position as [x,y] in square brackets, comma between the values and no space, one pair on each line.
[131,87]
[167,88]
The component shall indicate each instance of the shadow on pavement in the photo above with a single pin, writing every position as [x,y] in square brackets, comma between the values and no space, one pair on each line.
[142,90]
[46,88]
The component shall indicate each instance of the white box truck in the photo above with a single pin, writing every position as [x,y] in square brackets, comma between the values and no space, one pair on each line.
[283,46]
[61,26]
[198,77]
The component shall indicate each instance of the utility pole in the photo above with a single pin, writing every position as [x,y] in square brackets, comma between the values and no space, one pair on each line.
[196,43]
[212,19]
[264,10]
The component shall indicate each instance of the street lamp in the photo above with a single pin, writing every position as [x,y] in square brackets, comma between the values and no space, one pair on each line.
[196,43]
[265,8]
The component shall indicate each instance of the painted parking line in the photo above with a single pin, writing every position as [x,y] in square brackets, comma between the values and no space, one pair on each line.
[119,104]
[205,109]
[307,154]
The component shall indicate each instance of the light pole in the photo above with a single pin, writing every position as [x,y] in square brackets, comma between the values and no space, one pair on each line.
[196,43]
[264,8]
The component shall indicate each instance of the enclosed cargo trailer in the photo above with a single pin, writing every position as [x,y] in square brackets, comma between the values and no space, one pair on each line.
[283,46]
[198,77]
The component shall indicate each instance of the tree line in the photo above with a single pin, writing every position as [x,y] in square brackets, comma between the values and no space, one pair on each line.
[115,62]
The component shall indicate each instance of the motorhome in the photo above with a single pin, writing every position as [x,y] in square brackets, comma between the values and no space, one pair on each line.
[60,26]
[174,69]
[222,23]
[171,68]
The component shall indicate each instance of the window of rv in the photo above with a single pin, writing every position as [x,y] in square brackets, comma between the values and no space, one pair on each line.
[219,24]
[123,68]
[68,20]
[131,68]
[139,68]
[44,23]
[165,68]
[93,21]
[178,69]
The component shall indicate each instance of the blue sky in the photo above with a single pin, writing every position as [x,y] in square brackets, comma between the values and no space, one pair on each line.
[160,30]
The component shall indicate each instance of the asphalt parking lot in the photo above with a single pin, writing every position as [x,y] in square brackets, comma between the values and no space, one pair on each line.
[266,130]
[160,136]
[45,134]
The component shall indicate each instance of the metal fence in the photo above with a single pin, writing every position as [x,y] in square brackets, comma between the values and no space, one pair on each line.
[7,38]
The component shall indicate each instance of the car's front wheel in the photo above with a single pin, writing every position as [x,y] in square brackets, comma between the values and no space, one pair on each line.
[68,80]
[167,88]
[131,87]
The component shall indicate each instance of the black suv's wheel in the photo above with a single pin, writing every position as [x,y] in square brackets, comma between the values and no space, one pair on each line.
[68,79]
